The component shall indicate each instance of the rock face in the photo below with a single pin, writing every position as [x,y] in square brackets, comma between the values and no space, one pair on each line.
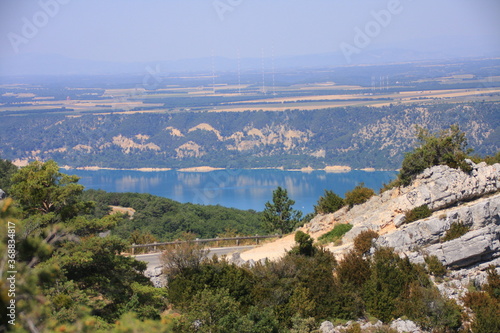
[456,197]
[399,325]
[475,215]
[476,246]
[438,187]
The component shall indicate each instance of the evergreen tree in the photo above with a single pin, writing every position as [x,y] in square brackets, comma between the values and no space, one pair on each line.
[328,203]
[279,216]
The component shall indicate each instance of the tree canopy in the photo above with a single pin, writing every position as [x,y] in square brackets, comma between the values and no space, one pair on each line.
[279,216]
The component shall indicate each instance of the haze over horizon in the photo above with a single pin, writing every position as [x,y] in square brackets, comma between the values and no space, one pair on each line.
[64,36]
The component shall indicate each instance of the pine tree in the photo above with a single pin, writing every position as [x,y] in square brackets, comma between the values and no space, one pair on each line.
[279,216]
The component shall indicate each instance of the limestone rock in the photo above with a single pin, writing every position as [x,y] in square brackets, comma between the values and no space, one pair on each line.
[406,326]
[475,246]
[327,327]
[439,187]
[429,231]
[156,276]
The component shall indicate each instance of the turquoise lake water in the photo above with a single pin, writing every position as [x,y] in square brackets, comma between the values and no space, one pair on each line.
[239,188]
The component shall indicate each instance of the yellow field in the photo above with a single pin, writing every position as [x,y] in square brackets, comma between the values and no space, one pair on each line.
[124,100]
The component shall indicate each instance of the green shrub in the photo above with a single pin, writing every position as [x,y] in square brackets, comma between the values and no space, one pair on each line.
[417,213]
[304,244]
[435,266]
[363,241]
[493,285]
[490,159]
[336,233]
[447,147]
[328,203]
[353,271]
[392,184]
[457,229]
[360,194]
[486,310]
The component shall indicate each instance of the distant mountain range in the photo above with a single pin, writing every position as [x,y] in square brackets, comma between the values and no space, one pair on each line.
[52,64]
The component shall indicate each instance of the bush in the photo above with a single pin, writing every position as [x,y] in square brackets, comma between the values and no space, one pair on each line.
[486,310]
[360,194]
[457,229]
[447,147]
[417,213]
[363,241]
[328,203]
[336,233]
[353,270]
[304,244]
[182,258]
[435,266]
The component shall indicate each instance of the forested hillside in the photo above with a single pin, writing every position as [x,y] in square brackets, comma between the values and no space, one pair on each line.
[359,137]
[161,219]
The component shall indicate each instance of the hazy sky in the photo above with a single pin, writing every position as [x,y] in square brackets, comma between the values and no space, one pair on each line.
[154,30]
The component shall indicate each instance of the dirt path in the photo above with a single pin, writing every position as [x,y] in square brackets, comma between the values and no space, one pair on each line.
[278,248]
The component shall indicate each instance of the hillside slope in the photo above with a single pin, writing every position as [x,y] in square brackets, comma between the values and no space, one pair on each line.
[358,137]
[455,197]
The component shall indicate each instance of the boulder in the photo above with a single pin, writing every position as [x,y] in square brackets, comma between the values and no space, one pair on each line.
[406,326]
[480,245]
[327,327]
[155,274]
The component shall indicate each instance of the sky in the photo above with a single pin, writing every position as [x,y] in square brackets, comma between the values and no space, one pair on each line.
[160,30]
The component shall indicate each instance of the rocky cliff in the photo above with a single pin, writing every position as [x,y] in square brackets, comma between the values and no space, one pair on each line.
[471,200]
[455,197]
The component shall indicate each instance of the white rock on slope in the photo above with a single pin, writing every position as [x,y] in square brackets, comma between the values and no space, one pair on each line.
[438,187]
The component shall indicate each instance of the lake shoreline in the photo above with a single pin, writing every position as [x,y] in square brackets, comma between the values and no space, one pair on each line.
[327,169]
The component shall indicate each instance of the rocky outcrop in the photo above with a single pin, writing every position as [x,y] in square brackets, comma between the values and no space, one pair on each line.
[406,326]
[155,274]
[398,325]
[475,215]
[470,199]
[481,245]
[438,187]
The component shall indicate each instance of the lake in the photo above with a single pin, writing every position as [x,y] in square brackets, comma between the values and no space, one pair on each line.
[238,188]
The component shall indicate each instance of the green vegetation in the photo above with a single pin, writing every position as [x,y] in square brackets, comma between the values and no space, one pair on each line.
[486,305]
[279,216]
[328,203]
[336,234]
[7,169]
[435,266]
[67,276]
[493,159]
[457,229]
[448,147]
[164,219]
[360,194]
[339,132]
[304,244]
[417,213]
[363,241]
